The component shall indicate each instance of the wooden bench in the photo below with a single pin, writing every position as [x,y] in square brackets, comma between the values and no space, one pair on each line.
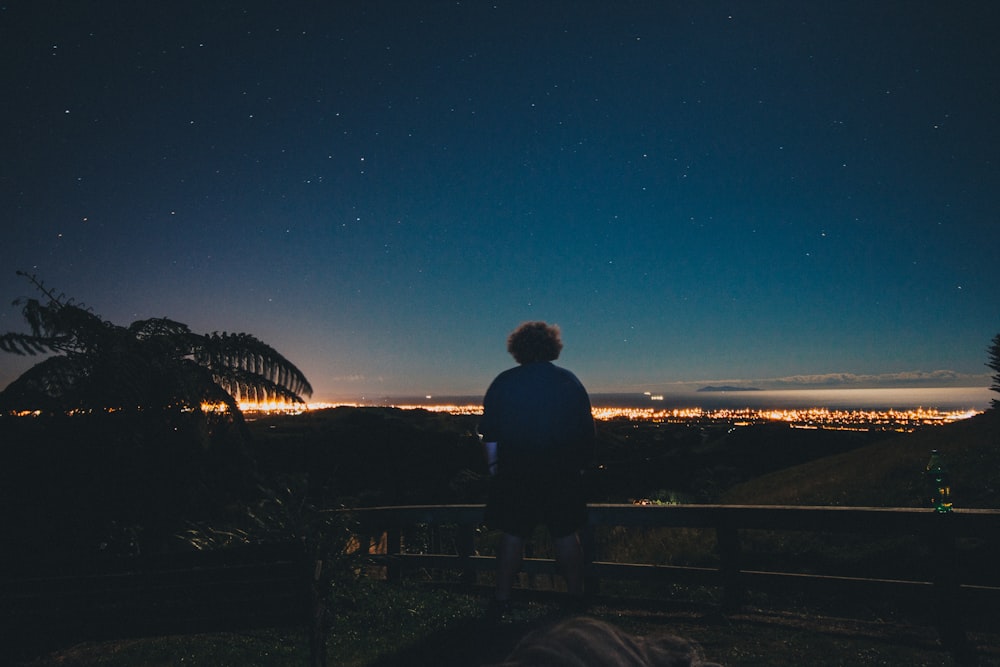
[237,588]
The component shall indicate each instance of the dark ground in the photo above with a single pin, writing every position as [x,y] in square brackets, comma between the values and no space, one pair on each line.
[750,637]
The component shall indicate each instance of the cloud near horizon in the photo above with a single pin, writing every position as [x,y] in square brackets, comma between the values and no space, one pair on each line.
[938,378]
[348,378]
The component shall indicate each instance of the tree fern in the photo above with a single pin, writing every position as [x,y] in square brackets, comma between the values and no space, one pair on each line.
[152,363]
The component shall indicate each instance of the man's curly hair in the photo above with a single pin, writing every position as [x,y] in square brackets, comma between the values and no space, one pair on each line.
[535,341]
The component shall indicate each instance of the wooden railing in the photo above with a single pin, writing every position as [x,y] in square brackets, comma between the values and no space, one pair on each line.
[451,533]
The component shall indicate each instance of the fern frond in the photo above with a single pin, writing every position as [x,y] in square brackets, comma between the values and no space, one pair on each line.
[26,344]
[152,363]
[231,354]
[246,386]
[158,326]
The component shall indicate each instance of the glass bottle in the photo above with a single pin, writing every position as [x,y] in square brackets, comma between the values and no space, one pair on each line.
[938,485]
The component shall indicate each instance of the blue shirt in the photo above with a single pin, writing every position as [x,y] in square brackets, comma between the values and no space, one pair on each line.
[540,416]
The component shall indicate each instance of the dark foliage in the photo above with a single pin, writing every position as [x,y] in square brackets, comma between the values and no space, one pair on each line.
[116,483]
[994,363]
[119,454]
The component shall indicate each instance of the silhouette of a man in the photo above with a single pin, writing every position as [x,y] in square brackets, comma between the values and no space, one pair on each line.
[538,435]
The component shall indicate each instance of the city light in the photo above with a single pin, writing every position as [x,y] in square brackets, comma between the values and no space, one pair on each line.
[809,418]
[860,420]
[806,418]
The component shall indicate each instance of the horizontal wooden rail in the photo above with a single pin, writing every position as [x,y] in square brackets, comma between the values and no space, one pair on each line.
[943,585]
[895,520]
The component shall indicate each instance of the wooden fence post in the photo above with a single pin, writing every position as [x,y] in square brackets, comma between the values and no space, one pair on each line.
[434,538]
[947,609]
[393,547]
[317,625]
[729,554]
[466,543]
[591,582]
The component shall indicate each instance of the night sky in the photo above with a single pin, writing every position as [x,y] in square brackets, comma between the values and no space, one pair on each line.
[769,193]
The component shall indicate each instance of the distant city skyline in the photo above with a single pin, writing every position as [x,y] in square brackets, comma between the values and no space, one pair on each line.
[780,195]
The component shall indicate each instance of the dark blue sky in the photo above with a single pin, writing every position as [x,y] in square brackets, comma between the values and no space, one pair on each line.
[772,193]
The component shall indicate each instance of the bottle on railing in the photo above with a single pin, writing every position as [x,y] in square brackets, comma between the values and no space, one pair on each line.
[938,485]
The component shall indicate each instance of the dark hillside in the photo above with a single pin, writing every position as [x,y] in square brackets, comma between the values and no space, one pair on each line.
[372,456]
[697,463]
[888,473]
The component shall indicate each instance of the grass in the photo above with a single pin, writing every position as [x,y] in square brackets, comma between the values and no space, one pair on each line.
[413,625]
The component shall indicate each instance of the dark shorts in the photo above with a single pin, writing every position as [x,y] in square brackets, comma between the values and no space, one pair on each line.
[517,504]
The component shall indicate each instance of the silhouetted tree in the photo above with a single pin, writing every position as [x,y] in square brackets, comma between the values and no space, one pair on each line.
[151,364]
[123,453]
[994,363]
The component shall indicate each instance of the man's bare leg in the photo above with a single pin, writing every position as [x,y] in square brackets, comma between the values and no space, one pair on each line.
[569,555]
[509,555]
